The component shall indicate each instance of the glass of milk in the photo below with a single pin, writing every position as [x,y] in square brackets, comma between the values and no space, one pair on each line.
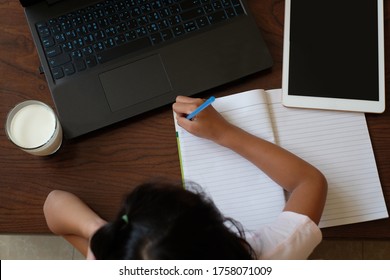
[34,127]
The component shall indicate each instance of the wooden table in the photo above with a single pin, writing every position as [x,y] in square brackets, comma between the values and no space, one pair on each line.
[102,166]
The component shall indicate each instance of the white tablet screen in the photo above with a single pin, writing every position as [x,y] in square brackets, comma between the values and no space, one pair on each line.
[334,49]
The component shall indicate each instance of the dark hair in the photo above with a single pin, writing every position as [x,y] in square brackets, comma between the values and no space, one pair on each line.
[164,221]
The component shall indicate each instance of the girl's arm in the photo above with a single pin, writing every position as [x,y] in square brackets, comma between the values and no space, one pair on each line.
[68,216]
[307,185]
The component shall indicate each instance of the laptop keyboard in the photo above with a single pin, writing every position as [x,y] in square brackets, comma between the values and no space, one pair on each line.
[84,38]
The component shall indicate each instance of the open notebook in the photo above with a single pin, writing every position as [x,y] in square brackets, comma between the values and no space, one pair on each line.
[335,142]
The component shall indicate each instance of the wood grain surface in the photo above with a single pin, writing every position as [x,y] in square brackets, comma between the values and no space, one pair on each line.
[103,166]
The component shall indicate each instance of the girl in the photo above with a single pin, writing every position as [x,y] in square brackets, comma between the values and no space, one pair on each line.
[164,221]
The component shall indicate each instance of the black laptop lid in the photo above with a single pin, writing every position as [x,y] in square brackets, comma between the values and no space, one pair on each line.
[26,3]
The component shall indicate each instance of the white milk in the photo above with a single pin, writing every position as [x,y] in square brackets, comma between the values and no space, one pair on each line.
[32,126]
[35,129]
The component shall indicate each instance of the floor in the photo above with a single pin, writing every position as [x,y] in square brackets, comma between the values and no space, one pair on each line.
[49,247]
[36,247]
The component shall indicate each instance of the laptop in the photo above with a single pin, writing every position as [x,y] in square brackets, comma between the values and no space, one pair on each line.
[106,61]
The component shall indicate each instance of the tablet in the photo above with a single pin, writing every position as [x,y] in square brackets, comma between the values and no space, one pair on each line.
[333,55]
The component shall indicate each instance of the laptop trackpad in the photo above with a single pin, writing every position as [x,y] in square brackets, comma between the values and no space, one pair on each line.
[136,82]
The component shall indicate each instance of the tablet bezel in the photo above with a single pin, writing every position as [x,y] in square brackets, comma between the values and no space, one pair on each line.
[334,103]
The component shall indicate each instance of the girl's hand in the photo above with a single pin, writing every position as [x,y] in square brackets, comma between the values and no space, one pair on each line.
[207,124]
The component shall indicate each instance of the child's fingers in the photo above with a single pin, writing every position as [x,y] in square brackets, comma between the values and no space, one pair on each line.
[184,108]
[186,99]
[188,125]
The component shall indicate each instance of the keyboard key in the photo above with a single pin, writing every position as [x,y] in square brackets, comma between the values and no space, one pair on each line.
[54,51]
[120,39]
[77,20]
[59,60]
[59,38]
[179,30]
[217,5]
[56,29]
[44,31]
[89,39]
[92,26]
[109,10]
[146,8]
[124,49]
[103,22]
[88,17]
[190,26]
[132,23]
[156,38]
[48,42]
[174,20]
[191,14]
[189,4]
[143,20]
[162,24]
[98,47]
[52,21]
[79,43]
[208,8]
[226,3]
[99,13]
[120,6]
[121,27]
[141,31]
[217,17]
[57,73]
[230,12]
[111,31]
[157,5]
[166,34]
[152,28]
[71,34]
[236,3]
[109,43]
[114,19]
[68,69]
[202,22]
[67,47]
[165,12]
[100,35]
[80,65]
[91,61]
[82,30]
[40,25]
[131,35]
[239,10]
[66,25]
[175,9]
[154,17]
[76,55]
[87,50]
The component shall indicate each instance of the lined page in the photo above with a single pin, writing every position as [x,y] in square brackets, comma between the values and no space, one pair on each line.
[239,189]
[338,144]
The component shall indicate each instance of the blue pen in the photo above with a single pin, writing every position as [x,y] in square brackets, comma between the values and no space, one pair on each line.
[201,108]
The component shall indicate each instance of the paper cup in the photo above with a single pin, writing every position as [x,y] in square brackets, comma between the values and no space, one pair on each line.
[34,127]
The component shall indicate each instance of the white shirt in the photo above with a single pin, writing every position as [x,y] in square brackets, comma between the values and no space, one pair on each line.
[291,237]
